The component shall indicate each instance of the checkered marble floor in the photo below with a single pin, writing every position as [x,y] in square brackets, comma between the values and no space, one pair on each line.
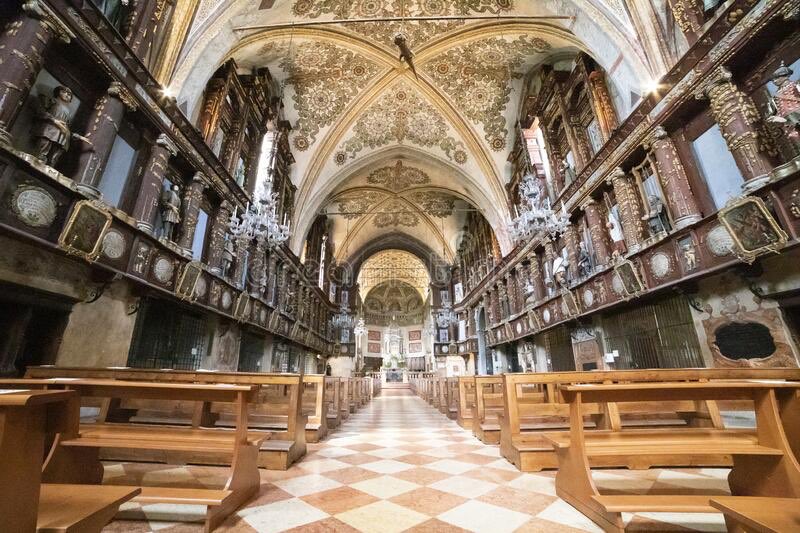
[399,465]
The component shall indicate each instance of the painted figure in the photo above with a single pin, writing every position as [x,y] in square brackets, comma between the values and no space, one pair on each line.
[615,231]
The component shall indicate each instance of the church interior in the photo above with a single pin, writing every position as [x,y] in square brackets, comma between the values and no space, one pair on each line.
[395,266]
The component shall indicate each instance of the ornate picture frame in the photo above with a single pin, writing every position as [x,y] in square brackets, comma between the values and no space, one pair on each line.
[629,275]
[241,306]
[754,230]
[83,233]
[570,302]
[187,281]
[534,321]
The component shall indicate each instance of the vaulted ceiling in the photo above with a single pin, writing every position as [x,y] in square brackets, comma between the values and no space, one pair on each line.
[382,147]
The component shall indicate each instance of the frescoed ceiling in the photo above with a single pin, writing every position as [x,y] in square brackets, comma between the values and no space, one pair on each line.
[356,109]
[394,265]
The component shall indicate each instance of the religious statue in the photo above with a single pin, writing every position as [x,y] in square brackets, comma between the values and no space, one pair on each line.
[50,132]
[689,255]
[170,211]
[560,270]
[656,216]
[785,105]
[615,231]
[584,261]
[228,257]
[568,172]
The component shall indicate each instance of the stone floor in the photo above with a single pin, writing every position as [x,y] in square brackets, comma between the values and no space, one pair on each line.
[399,465]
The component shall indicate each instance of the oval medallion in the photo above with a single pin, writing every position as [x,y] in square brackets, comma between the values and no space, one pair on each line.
[660,265]
[163,269]
[34,206]
[113,244]
[719,241]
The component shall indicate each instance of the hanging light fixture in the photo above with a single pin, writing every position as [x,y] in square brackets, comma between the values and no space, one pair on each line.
[446,315]
[361,327]
[343,319]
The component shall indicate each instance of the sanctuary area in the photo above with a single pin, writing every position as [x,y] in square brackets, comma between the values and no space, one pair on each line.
[399,265]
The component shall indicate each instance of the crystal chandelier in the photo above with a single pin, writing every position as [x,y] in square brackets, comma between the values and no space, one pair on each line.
[259,221]
[535,214]
[360,328]
[343,319]
[446,316]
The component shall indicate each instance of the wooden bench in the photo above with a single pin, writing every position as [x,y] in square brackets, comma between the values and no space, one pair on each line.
[75,455]
[443,392]
[487,408]
[29,419]
[452,398]
[758,515]
[277,407]
[345,395]
[466,400]
[763,462]
[333,387]
[533,404]
[314,407]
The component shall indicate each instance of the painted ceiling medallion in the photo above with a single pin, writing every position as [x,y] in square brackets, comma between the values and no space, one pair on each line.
[357,204]
[398,177]
[477,76]
[325,78]
[401,115]
[416,32]
[436,204]
[395,212]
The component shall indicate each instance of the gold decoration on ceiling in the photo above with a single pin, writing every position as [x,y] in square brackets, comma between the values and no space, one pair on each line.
[437,204]
[401,115]
[353,206]
[398,177]
[394,265]
[477,76]
[417,33]
[395,212]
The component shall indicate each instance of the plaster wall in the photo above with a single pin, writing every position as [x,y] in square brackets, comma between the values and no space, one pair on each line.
[100,333]
[341,366]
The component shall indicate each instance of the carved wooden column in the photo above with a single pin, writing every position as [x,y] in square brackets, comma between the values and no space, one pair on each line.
[22,46]
[536,277]
[192,197]
[742,128]
[272,271]
[688,17]
[630,208]
[256,277]
[549,257]
[152,182]
[554,158]
[579,150]
[511,293]
[597,232]
[672,176]
[146,22]
[240,247]
[602,104]
[571,244]
[216,237]
[104,123]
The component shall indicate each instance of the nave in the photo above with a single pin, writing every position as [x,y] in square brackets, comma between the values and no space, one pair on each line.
[400,465]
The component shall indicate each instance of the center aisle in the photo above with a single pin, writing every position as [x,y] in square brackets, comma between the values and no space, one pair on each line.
[400,465]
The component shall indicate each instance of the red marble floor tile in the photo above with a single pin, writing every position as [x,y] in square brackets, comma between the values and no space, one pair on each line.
[324,526]
[351,475]
[435,526]
[521,501]
[421,476]
[339,500]
[428,501]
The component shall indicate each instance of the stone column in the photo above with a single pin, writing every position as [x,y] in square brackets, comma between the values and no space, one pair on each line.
[23,43]
[216,242]
[688,18]
[672,176]
[104,123]
[571,244]
[741,126]
[192,197]
[630,208]
[152,182]
[272,271]
[602,104]
[598,233]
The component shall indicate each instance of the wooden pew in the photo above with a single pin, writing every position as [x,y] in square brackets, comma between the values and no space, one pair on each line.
[443,401]
[75,456]
[346,394]
[763,462]
[333,387]
[451,386]
[487,407]
[533,404]
[28,418]
[433,394]
[466,399]
[277,408]
[315,407]
[758,515]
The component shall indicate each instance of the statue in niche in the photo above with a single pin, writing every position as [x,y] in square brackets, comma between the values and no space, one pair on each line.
[785,105]
[689,255]
[228,257]
[50,132]
[568,172]
[656,216]
[615,231]
[170,211]
[584,261]
[560,270]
